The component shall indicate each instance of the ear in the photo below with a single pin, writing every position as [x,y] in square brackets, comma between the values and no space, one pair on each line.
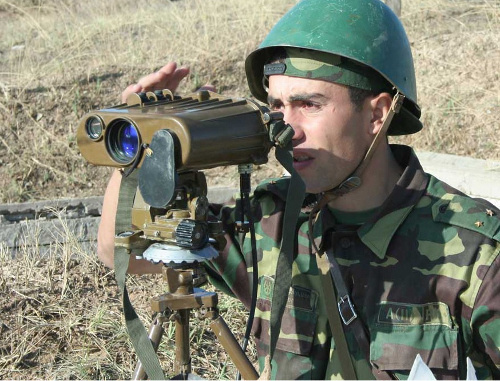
[380,106]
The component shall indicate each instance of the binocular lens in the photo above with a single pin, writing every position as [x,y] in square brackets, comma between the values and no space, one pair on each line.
[94,127]
[123,141]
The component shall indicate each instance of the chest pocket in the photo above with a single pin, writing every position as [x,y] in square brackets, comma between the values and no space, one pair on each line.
[401,331]
[298,325]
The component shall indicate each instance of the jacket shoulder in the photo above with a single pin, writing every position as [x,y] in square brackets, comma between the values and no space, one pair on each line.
[457,209]
[277,187]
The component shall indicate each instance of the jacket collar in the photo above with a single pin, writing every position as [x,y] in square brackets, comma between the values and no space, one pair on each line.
[377,233]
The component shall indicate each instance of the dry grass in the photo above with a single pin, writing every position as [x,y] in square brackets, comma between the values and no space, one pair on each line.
[61,318]
[457,50]
[59,58]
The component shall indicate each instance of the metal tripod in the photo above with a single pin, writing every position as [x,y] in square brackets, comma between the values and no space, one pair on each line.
[176,305]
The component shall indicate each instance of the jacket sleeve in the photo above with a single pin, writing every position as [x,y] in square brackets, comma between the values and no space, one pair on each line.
[228,272]
[484,350]
[231,271]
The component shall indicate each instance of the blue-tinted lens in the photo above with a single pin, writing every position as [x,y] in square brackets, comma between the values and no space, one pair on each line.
[123,141]
[128,141]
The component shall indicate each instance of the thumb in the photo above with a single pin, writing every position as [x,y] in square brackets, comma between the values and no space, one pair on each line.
[208,87]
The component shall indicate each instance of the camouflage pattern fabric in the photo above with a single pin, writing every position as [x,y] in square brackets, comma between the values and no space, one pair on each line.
[423,274]
[313,64]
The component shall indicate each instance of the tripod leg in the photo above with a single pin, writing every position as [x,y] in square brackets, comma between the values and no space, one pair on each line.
[230,344]
[182,363]
[155,335]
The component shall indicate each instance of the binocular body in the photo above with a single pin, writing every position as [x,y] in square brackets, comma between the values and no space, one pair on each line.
[208,130]
[168,140]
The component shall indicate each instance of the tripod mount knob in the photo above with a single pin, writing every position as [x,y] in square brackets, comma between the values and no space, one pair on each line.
[191,234]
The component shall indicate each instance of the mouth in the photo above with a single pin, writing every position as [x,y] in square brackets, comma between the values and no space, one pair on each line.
[298,158]
[302,161]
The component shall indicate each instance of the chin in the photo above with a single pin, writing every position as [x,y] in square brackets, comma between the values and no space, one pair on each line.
[316,184]
[315,189]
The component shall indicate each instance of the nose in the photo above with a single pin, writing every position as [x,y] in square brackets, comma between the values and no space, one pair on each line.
[290,117]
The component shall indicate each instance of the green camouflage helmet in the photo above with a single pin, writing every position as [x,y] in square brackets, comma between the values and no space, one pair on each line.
[366,32]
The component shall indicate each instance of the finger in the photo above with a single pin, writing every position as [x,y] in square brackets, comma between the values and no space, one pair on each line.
[165,78]
[158,79]
[168,77]
[172,81]
[135,88]
[167,70]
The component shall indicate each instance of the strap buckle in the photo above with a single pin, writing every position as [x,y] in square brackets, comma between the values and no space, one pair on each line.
[346,310]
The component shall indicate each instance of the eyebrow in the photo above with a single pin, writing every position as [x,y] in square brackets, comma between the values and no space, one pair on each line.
[297,97]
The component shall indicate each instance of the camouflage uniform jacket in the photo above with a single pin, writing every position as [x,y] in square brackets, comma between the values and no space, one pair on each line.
[423,275]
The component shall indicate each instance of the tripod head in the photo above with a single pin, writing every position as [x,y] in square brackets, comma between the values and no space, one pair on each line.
[179,233]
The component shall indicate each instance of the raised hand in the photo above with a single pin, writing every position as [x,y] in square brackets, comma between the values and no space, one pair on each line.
[168,77]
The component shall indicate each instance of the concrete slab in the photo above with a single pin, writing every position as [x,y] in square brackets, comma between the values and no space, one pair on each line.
[40,225]
[475,177]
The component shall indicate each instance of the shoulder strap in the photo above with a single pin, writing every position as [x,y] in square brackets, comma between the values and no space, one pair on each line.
[137,333]
[468,213]
[348,372]
[349,317]
[294,199]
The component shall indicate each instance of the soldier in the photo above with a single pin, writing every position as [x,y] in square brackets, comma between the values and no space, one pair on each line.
[418,260]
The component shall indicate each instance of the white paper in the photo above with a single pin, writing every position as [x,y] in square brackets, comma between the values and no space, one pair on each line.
[420,370]
[471,372]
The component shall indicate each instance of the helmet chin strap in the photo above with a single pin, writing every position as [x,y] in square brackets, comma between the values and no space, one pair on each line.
[353,181]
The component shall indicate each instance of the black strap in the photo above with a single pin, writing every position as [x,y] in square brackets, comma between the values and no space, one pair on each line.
[137,333]
[294,200]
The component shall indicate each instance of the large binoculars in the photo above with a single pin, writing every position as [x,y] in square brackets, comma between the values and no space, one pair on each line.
[169,138]
[208,130]
[171,134]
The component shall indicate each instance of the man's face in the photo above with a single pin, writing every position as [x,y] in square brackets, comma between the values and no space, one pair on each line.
[331,136]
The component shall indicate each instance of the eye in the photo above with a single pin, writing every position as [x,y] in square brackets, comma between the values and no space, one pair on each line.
[310,105]
[276,106]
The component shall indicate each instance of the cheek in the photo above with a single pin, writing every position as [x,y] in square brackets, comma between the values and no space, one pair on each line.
[342,125]
[344,135]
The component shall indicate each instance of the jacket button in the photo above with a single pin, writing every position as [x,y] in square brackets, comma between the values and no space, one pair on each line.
[345,243]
